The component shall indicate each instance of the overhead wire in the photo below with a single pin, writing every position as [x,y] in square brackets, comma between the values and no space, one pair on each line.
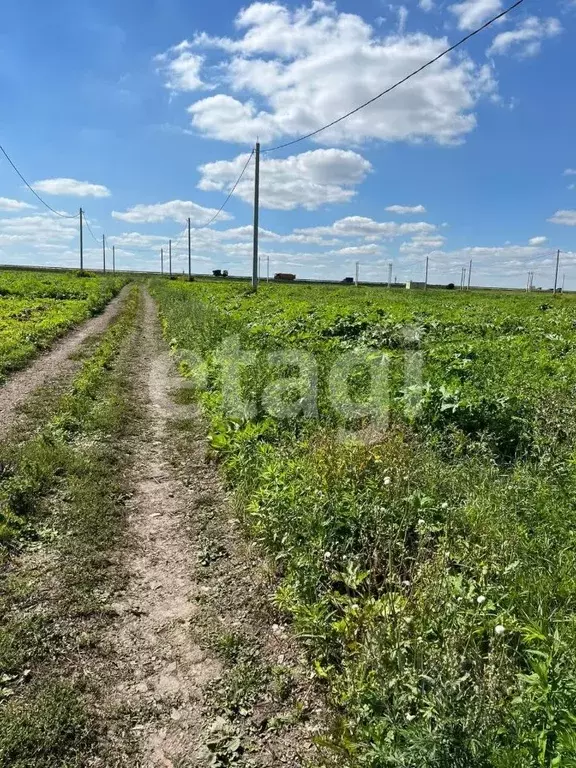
[58,213]
[225,203]
[90,229]
[400,82]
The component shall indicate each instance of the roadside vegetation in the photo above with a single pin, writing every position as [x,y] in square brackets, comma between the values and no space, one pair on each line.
[61,513]
[36,308]
[430,571]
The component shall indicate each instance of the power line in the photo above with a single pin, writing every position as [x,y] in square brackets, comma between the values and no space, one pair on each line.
[62,215]
[224,204]
[90,230]
[400,82]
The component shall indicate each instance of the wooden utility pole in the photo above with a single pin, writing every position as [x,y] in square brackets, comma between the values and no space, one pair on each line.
[161,261]
[357,274]
[256,218]
[556,276]
[426,278]
[104,253]
[563,281]
[390,275]
[189,252]
[469,273]
[81,240]
[114,259]
[267,267]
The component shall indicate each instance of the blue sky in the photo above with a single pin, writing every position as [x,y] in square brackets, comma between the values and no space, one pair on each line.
[144,117]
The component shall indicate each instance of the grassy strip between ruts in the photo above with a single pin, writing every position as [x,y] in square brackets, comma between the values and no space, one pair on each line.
[61,512]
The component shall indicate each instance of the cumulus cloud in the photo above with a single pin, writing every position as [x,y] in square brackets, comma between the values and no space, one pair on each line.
[422,243]
[426,5]
[405,209]
[564,217]
[538,240]
[8,204]
[472,13]
[570,172]
[358,250]
[288,71]
[39,228]
[181,68]
[363,227]
[308,180]
[526,39]
[71,187]
[175,210]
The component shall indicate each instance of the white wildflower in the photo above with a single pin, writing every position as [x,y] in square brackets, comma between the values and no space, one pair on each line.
[444,505]
[387,480]
[481,599]
[410,717]
[327,555]
[499,629]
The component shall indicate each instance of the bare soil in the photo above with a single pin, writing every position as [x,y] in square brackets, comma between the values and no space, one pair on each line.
[56,363]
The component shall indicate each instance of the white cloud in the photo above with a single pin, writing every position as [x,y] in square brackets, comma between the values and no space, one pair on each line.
[570,172]
[360,226]
[426,5]
[8,204]
[420,243]
[358,250]
[40,228]
[181,68]
[564,217]
[71,187]
[289,71]
[537,240]
[473,13]
[405,209]
[176,210]
[308,180]
[526,39]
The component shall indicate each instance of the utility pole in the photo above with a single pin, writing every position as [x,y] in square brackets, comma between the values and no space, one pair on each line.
[161,261]
[267,267]
[170,258]
[426,278]
[556,276]
[189,252]
[114,259]
[357,274]
[469,273]
[256,218]
[81,241]
[104,253]
[563,281]
[390,275]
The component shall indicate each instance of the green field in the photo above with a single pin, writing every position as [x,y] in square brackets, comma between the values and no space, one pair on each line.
[36,308]
[429,567]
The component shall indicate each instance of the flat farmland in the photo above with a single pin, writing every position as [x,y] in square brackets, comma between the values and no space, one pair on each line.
[36,308]
[428,564]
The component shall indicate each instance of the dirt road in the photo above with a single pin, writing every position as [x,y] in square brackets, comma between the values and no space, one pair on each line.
[57,362]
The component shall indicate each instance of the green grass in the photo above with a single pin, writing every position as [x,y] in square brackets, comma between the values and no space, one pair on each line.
[431,572]
[61,513]
[36,308]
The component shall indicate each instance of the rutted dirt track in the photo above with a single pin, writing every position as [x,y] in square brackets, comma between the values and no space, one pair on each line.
[53,364]
[161,669]
[190,580]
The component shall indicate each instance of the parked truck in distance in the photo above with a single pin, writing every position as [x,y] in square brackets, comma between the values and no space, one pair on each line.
[286,276]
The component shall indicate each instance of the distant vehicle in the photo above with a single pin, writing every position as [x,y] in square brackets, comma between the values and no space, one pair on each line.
[284,276]
[348,280]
